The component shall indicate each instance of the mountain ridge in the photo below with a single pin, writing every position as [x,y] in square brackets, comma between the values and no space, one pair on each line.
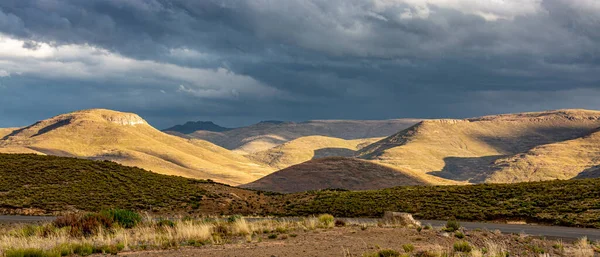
[464,149]
[263,136]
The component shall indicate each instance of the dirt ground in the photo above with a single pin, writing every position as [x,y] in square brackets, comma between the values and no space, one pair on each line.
[353,241]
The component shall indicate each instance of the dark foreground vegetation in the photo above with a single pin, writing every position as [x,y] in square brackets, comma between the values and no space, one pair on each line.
[33,184]
[49,185]
[567,203]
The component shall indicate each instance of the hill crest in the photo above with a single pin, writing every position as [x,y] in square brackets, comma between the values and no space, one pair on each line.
[466,149]
[128,139]
[334,173]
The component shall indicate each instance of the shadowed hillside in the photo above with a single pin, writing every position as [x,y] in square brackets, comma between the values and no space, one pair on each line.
[265,135]
[6,131]
[465,150]
[334,172]
[563,160]
[35,184]
[306,148]
[128,139]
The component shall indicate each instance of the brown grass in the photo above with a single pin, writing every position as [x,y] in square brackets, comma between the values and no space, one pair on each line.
[307,148]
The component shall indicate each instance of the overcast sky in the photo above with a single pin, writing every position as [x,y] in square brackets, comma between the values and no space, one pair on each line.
[241,61]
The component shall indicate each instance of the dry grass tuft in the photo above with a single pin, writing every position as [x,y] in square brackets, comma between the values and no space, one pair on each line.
[581,248]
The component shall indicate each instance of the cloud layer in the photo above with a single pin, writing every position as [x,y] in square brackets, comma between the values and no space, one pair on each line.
[241,61]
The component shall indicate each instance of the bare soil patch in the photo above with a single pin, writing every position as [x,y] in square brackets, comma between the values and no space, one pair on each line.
[353,241]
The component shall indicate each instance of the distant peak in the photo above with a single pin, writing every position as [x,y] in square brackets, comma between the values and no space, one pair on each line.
[200,123]
[274,122]
[193,126]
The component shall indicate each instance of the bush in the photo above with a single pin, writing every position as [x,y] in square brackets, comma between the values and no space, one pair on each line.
[125,218]
[388,253]
[83,225]
[234,218]
[340,223]
[163,223]
[408,247]
[459,235]
[68,220]
[30,252]
[452,225]
[272,236]
[83,249]
[326,220]
[462,246]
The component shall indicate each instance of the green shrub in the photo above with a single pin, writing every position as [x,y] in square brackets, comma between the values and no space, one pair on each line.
[462,246]
[427,227]
[459,235]
[408,247]
[83,249]
[30,252]
[234,218]
[326,220]
[64,249]
[272,236]
[162,223]
[120,246]
[558,246]
[125,218]
[537,249]
[452,225]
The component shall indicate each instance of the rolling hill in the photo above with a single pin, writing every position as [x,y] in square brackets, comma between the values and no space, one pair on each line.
[39,185]
[563,160]
[334,172]
[466,150]
[268,134]
[128,139]
[307,148]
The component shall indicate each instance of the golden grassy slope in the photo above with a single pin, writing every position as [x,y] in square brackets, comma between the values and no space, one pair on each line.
[5,131]
[128,139]
[306,148]
[562,160]
[265,135]
[464,150]
[334,172]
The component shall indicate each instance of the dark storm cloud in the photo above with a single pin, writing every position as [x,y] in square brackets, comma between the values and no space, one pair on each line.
[308,58]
